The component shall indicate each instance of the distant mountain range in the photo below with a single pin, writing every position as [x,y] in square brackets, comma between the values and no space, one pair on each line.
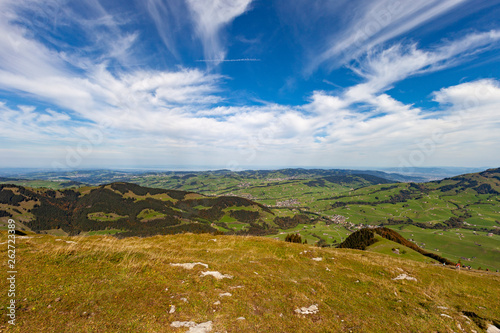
[97,177]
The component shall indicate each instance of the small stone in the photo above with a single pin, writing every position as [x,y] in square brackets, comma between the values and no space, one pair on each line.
[492,329]
[404,277]
[217,303]
[190,265]
[240,318]
[172,309]
[310,310]
[225,294]
[217,275]
[58,299]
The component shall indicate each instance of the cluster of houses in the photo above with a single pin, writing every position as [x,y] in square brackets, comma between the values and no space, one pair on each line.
[288,203]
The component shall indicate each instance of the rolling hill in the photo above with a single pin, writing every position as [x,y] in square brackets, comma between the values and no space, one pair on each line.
[130,210]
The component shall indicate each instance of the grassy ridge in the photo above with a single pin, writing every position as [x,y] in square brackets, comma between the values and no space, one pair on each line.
[103,284]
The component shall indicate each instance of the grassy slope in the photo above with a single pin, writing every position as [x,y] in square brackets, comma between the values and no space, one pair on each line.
[110,285]
[385,246]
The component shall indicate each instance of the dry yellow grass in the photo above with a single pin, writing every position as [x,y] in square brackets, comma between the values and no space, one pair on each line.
[102,284]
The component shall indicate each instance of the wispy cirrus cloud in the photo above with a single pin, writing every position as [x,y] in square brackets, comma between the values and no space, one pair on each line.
[374,24]
[383,67]
[210,17]
[169,18]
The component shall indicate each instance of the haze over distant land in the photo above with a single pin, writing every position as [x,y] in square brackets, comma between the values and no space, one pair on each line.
[250,84]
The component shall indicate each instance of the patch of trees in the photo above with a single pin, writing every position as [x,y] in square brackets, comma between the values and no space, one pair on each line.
[293,238]
[4,213]
[374,179]
[485,189]
[245,215]
[211,214]
[291,222]
[316,183]
[49,215]
[256,229]
[359,240]
[490,172]
[464,183]
[8,197]
[419,187]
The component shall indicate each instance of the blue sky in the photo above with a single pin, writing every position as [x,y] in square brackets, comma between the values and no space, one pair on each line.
[249,84]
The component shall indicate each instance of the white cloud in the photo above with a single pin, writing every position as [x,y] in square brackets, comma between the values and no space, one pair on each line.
[398,62]
[169,18]
[210,17]
[374,24]
[160,116]
[469,95]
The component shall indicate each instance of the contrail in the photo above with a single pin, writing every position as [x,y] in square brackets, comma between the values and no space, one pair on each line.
[227,60]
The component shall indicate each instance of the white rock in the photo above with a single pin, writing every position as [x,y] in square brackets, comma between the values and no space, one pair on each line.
[404,277]
[216,275]
[201,328]
[193,327]
[317,259]
[240,318]
[492,329]
[183,324]
[225,294]
[190,265]
[185,300]
[217,303]
[172,309]
[310,310]
[445,315]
